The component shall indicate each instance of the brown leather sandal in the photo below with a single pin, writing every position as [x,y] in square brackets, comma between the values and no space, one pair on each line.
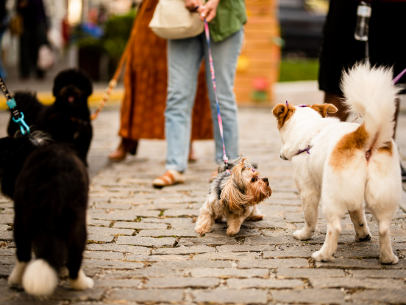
[126,146]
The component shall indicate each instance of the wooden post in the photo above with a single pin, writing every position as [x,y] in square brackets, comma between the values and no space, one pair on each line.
[258,64]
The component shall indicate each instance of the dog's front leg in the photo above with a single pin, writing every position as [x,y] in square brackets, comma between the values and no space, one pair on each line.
[325,254]
[234,223]
[204,223]
[310,204]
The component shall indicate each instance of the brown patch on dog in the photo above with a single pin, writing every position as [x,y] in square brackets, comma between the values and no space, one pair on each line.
[324,109]
[386,149]
[283,113]
[347,147]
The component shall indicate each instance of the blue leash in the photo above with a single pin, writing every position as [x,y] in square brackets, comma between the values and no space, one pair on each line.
[18,117]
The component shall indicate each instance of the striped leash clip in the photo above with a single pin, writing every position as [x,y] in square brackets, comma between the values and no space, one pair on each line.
[18,117]
[213,78]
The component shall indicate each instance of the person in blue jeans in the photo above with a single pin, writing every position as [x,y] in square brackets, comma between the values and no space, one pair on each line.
[226,19]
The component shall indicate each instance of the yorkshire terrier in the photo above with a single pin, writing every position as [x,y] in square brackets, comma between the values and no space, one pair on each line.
[234,196]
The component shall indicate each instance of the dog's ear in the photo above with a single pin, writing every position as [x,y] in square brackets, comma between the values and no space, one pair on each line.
[283,113]
[279,110]
[324,109]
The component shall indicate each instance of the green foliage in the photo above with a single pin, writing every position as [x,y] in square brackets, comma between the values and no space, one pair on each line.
[117,31]
[298,70]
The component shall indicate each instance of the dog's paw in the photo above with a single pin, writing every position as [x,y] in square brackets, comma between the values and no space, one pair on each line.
[390,260]
[319,256]
[16,276]
[15,279]
[82,282]
[302,235]
[256,218]
[232,231]
[201,230]
[364,237]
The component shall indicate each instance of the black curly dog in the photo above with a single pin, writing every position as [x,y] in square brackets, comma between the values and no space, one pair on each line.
[68,119]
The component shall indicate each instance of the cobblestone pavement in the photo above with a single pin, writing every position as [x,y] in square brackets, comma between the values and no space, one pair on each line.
[142,246]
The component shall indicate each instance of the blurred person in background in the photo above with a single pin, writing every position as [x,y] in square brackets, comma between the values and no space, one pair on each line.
[341,50]
[34,35]
[145,84]
[226,21]
[4,21]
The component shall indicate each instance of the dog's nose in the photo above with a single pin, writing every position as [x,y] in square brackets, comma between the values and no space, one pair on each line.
[265,179]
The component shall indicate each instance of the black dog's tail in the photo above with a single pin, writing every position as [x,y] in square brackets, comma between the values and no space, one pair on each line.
[41,275]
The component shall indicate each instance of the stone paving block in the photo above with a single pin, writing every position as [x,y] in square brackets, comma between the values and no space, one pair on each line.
[380,295]
[62,293]
[146,241]
[181,212]
[98,222]
[192,264]
[379,273]
[117,283]
[92,238]
[105,264]
[119,248]
[231,296]
[272,240]
[113,206]
[109,231]
[6,235]
[147,295]
[325,296]
[264,224]
[182,282]
[344,263]
[207,241]
[171,232]
[264,283]
[184,250]
[140,225]
[229,272]
[307,273]
[245,248]
[223,233]
[305,252]
[357,283]
[143,273]
[226,256]
[157,258]
[274,263]
[7,252]
[103,255]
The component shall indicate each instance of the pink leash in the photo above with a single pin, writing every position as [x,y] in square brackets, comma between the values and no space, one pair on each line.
[213,78]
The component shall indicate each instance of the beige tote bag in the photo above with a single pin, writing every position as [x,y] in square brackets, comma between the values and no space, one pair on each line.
[172,20]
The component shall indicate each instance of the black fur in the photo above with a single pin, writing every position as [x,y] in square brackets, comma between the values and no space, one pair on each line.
[68,119]
[49,186]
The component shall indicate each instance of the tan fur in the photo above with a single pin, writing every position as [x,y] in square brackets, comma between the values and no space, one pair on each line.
[237,202]
[347,147]
[324,109]
[386,149]
[283,113]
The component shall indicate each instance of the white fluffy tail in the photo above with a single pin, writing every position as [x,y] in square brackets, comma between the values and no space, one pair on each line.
[39,278]
[370,91]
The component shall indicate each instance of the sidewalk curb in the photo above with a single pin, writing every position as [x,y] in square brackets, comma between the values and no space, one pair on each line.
[47,98]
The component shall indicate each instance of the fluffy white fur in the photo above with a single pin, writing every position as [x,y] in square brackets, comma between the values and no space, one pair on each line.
[16,276]
[370,173]
[39,278]
[82,282]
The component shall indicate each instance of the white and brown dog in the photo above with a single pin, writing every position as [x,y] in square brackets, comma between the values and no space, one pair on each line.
[233,197]
[342,164]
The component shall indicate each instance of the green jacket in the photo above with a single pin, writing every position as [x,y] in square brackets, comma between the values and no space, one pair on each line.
[230,17]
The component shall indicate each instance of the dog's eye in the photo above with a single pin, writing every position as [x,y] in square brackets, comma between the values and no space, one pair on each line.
[253,179]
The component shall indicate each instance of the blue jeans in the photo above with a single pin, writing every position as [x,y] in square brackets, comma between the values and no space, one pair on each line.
[184,59]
